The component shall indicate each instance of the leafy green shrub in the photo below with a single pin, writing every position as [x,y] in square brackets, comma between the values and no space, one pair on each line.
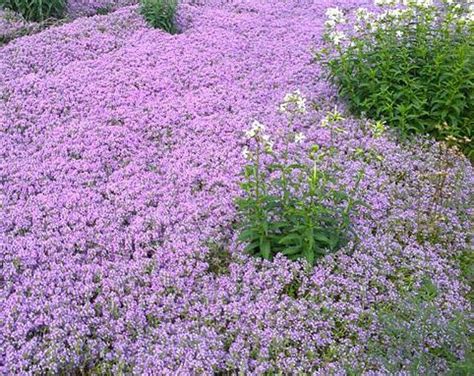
[411,66]
[36,10]
[160,14]
[289,206]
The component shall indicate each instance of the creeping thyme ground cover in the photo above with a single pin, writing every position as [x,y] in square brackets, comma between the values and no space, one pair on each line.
[120,162]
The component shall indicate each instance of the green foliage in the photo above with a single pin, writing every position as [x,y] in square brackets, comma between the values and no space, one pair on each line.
[160,14]
[291,207]
[466,265]
[36,10]
[413,69]
[415,338]
[292,288]
[218,258]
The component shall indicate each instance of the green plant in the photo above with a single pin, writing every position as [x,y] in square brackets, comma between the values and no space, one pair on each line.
[218,257]
[290,206]
[415,338]
[160,14]
[411,66]
[36,10]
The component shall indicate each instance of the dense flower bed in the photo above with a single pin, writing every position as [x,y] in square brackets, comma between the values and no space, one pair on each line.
[120,155]
[78,8]
[13,25]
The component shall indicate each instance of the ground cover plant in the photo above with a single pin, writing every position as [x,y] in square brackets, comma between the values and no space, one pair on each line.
[121,156]
[410,64]
[77,8]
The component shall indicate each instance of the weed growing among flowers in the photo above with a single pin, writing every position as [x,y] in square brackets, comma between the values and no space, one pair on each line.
[290,206]
[411,65]
[160,14]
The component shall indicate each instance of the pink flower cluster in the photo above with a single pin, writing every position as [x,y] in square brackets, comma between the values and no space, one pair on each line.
[77,8]
[120,155]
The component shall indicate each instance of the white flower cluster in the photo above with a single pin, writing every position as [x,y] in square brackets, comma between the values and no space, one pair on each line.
[362,14]
[334,16]
[257,128]
[256,132]
[399,14]
[337,37]
[293,102]
[299,138]
[469,17]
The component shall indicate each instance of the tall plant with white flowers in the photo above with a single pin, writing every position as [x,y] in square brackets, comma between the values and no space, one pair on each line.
[411,64]
[288,204]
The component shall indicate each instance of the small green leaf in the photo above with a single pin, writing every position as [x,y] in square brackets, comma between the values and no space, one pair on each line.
[265,249]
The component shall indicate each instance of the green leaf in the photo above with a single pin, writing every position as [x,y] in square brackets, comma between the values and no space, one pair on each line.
[265,249]
[291,239]
[289,251]
[321,237]
[309,255]
[247,235]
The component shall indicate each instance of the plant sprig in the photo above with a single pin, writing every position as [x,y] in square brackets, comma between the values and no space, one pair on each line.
[289,206]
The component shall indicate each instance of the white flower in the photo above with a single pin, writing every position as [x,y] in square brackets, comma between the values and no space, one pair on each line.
[395,13]
[293,102]
[250,133]
[330,24]
[362,14]
[257,126]
[255,129]
[467,18]
[425,3]
[335,15]
[267,143]
[399,34]
[337,37]
[299,138]
[246,152]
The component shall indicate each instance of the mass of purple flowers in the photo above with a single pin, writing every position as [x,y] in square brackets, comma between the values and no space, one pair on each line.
[120,160]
